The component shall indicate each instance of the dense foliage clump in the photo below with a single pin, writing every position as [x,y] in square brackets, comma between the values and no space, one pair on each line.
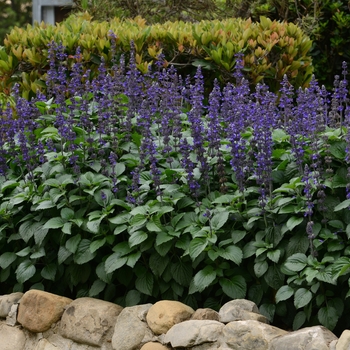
[130,188]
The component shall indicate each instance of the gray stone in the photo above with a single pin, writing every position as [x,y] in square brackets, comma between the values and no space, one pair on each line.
[248,335]
[12,338]
[11,318]
[89,321]
[131,318]
[344,341]
[310,338]
[193,332]
[239,310]
[6,301]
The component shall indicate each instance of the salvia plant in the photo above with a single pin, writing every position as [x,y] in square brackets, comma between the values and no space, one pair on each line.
[135,188]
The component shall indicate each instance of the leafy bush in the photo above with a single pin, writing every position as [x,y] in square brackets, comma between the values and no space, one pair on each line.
[271,49]
[132,190]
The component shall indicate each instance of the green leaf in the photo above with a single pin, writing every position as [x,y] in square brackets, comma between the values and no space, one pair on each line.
[67,214]
[138,220]
[302,297]
[182,273]
[219,220]
[284,293]
[296,262]
[153,226]
[67,228]
[114,262]
[132,298]
[137,238]
[293,222]
[234,287]
[197,246]
[24,252]
[46,204]
[268,310]
[63,254]
[30,228]
[232,253]
[49,272]
[274,255]
[97,287]
[25,271]
[119,229]
[299,320]
[6,259]
[120,219]
[202,279]
[237,236]
[83,253]
[328,317]
[72,243]
[102,275]
[133,258]
[158,264]
[260,268]
[97,244]
[343,205]
[144,283]
[56,222]
[163,237]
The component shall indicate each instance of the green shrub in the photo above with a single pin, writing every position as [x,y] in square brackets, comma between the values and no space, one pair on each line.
[271,49]
[131,191]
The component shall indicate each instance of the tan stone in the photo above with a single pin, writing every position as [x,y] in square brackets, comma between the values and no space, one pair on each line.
[164,314]
[154,346]
[90,321]
[11,338]
[205,314]
[38,310]
[344,341]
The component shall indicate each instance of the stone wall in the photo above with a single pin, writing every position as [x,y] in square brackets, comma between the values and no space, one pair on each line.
[39,320]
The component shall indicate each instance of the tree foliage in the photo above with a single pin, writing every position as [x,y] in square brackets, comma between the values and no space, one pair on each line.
[14,13]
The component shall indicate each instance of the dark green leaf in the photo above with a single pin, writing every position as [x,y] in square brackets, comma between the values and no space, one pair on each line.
[56,222]
[328,317]
[293,222]
[232,253]
[137,238]
[302,297]
[97,244]
[83,253]
[49,272]
[182,273]
[25,271]
[268,310]
[6,259]
[296,262]
[219,220]
[299,320]
[260,268]
[133,297]
[114,262]
[235,287]
[97,287]
[144,283]
[284,293]
[202,279]
[72,243]
[133,258]
[197,246]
